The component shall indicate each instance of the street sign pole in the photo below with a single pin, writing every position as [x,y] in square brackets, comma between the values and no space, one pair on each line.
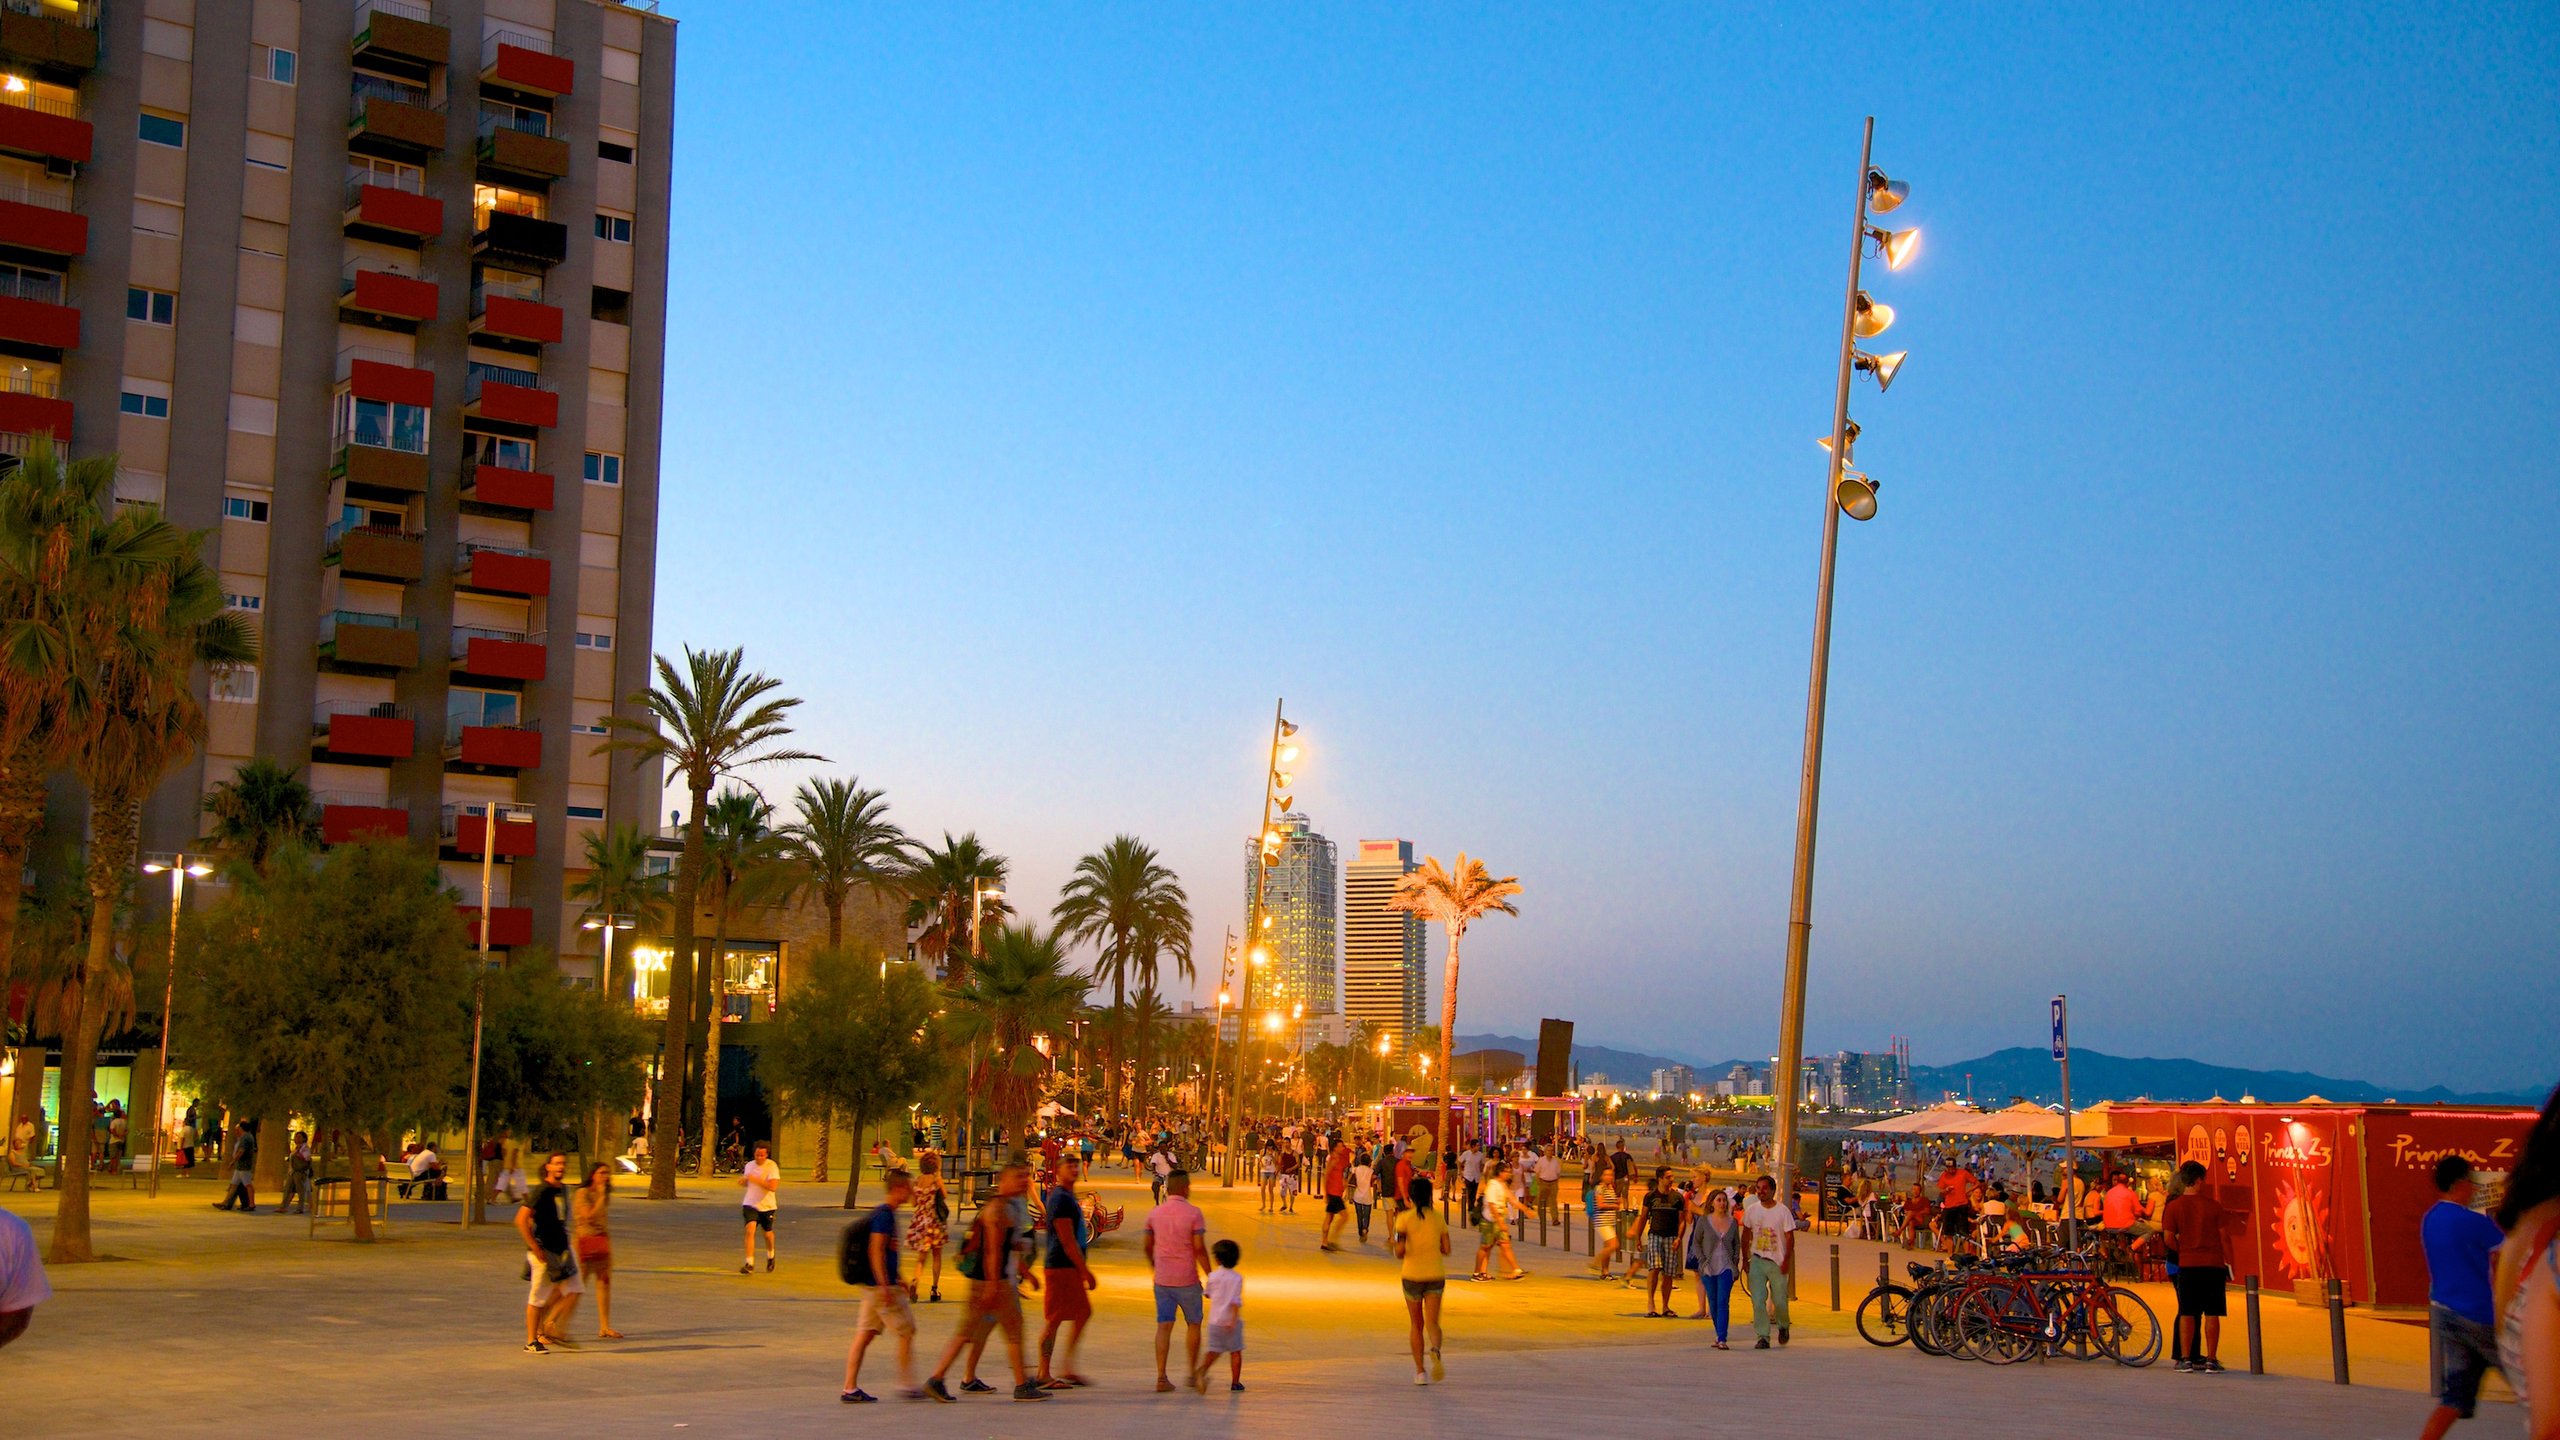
[2070,1166]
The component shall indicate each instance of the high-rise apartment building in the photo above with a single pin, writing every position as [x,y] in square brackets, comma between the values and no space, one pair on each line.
[1383,956]
[375,291]
[1303,903]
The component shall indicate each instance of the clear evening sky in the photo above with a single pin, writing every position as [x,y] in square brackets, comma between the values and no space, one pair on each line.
[1051,387]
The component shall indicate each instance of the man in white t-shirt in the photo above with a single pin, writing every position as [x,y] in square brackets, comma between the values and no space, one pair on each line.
[22,1283]
[761,1179]
[1772,1228]
[1550,1179]
[1471,1172]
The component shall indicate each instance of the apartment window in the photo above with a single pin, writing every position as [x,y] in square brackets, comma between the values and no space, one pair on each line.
[251,603]
[149,407]
[239,686]
[389,174]
[25,282]
[621,64]
[586,812]
[499,199]
[253,414]
[607,150]
[268,152]
[612,227]
[603,469]
[381,424]
[151,307]
[158,129]
[274,64]
[580,728]
[515,117]
[506,452]
[241,507]
[159,217]
[480,707]
[594,640]
[610,305]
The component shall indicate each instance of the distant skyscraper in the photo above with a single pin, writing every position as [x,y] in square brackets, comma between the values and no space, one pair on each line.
[1304,911]
[1382,949]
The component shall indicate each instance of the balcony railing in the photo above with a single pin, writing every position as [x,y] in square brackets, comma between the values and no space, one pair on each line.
[19,192]
[362,87]
[349,354]
[31,285]
[46,104]
[518,39]
[525,287]
[379,433]
[330,622]
[330,537]
[31,385]
[365,709]
[82,16]
[481,373]
[494,118]
[463,552]
[347,282]
[463,635]
[404,9]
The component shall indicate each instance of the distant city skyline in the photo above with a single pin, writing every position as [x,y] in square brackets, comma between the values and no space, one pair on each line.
[1303,898]
[1386,953]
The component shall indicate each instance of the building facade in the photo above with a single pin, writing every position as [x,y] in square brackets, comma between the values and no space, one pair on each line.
[375,292]
[1302,899]
[1383,954]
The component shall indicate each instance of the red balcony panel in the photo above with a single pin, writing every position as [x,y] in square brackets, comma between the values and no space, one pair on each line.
[513,319]
[504,659]
[384,208]
[342,823]
[508,924]
[501,747]
[33,132]
[530,70]
[379,292]
[519,404]
[46,231]
[515,837]
[35,322]
[527,575]
[508,489]
[36,415]
[379,737]
[395,384]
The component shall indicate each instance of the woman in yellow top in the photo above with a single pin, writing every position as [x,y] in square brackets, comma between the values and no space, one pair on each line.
[1422,1244]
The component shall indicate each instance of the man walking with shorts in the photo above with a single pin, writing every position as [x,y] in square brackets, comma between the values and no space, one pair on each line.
[761,1180]
[1337,1181]
[884,1301]
[993,1302]
[2192,1228]
[1177,1245]
[2461,1310]
[1067,1282]
[543,1225]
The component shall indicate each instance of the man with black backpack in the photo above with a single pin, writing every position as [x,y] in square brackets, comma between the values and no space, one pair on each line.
[991,1257]
[868,1257]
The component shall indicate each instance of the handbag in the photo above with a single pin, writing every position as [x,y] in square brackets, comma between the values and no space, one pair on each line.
[563,1266]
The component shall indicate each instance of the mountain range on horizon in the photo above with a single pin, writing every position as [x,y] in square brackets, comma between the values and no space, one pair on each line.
[2028,1072]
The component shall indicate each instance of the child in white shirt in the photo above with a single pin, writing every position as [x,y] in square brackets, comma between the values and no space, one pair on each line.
[1224,1290]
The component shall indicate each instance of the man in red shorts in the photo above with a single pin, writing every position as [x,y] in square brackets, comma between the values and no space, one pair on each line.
[1066,1299]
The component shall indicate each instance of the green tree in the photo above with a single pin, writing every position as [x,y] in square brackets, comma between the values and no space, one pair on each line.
[143,721]
[1127,904]
[1020,988]
[859,1038]
[1454,899]
[339,990]
[554,1055]
[745,865]
[263,805]
[705,721]
[941,886]
[843,841]
[618,881]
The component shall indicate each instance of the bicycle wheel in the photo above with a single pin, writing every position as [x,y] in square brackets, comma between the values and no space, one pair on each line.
[1928,1323]
[2122,1325]
[1998,1325]
[1884,1317]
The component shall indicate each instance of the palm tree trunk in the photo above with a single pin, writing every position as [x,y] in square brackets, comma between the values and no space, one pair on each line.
[818,1171]
[835,921]
[667,1125]
[1111,1084]
[711,1045]
[113,819]
[1448,1040]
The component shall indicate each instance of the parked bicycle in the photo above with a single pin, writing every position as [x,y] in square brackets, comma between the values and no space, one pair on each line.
[2041,1303]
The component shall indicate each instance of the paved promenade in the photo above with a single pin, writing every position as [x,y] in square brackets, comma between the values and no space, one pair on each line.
[210,1323]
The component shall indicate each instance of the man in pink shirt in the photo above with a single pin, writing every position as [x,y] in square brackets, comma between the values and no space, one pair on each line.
[1177,1244]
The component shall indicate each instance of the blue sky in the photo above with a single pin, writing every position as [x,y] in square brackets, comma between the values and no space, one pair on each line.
[1051,387]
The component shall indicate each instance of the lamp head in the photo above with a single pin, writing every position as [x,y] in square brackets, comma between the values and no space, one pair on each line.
[1885,194]
[1288,754]
[1855,494]
[1883,367]
[1898,246]
[1849,451]
[199,871]
[1872,319]
[1287,729]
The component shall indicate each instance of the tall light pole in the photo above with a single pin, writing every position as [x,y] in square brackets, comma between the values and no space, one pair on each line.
[1298,1061]
[979,895]
[606,923]
[179,867]
[1844,491]
[492,815]
[1386,1042]
[1275,788]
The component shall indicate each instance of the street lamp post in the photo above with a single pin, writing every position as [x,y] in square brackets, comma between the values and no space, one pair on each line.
[492,815]
[606,924]
[979,895]
[1275,788]
[179,868]
[1844,491]
[1298,1061]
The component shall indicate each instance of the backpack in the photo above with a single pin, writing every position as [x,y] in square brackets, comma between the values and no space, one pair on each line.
[972,1263]
[853,1251]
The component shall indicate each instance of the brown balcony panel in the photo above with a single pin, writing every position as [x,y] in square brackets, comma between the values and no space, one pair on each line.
[507,318]
[374,647]
[38,323]
[382,555]
[518,152]
[509,925]
[498,747]
[340,824]
[44,136]
[515,837]
[380,295]
[503,659]
[376,473]
[35,415]
[530,71]
[384,124]
[368,737]
[43,230]
[382,212]
[419,40]
[503,489]
[48,42]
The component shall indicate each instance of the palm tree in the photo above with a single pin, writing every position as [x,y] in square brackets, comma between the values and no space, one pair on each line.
[65,554]
[1456,899]
[618,881]
[1122,900]
[941,886]
[262,807]
[842,840]
[1021,987]
[746,865]
[144,721]
[705,721]
[1150,1025]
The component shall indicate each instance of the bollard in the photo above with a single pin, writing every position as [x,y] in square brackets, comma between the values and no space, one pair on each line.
[1542,1227]
[2338,1332]
[1591,1238]
[2257,1345]
[1835,1277]
[1884,1268]
[1568,1229]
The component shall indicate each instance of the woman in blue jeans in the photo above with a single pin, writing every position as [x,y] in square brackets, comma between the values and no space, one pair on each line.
[1716,1256]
